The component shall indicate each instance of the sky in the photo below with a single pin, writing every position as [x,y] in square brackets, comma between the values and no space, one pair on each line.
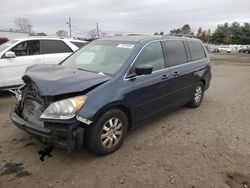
[127,16]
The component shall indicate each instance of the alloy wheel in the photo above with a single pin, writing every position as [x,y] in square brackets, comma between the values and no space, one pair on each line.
[112,132]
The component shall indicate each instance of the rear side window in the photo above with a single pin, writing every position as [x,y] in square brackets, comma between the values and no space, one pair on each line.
[54,46]
[176,52]
[78,44]
[151,54]
[196,50]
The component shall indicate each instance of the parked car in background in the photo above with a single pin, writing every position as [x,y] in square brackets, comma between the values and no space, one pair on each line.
[247,50]
[3,40]
[109,86]
[225,49]
[17,55]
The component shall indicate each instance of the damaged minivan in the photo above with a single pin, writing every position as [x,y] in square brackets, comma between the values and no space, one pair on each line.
[109,86]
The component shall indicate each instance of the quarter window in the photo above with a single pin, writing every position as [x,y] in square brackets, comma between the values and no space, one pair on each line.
[55,46]
[150,55]
[176,52]
[196,50]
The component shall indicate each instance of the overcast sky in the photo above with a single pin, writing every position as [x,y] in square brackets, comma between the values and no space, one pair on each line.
[141,16]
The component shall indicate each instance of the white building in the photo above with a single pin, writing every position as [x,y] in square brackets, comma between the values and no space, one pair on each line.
[12,34]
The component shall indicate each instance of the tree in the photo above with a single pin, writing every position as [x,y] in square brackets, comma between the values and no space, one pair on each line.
[199,33]
[62,33]
[156,33]
[41,34]
[23,25]
[235,33]
[161,33]
[202,35]
[186,30]
[175,31]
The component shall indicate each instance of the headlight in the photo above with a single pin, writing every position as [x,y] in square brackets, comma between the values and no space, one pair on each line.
[64,109]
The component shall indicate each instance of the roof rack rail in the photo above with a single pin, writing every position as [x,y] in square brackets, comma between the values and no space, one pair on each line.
[180,35]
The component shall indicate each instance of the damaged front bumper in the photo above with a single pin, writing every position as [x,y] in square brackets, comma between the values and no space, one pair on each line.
[68,136]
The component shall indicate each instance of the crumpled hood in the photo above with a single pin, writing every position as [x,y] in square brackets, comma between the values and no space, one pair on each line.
[52,80]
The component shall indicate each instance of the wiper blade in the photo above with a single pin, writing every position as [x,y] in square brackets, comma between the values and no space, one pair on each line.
[81,69]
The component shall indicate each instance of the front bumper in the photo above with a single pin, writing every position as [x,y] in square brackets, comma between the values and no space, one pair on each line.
[67,136]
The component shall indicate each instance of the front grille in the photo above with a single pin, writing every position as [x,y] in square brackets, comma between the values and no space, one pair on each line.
[32,111]
[32,106]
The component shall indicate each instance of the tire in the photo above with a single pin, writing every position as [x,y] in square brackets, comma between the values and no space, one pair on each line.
[108,133]
[197,96]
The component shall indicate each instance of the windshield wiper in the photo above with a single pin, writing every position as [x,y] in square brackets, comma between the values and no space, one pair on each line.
[81,69]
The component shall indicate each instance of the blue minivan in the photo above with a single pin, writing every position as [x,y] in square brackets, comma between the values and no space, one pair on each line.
[109,86]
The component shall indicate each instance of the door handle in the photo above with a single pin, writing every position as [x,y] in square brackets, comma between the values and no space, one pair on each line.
[176,74]
[164,77]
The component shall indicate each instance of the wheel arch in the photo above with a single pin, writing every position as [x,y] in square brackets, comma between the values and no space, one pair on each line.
[121,107]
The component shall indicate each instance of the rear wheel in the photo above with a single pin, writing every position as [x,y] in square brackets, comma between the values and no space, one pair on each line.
[108,133]
[197,96]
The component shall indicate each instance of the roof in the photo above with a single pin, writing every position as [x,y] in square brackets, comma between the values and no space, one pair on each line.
[135,38]
[49,38]
[139,38]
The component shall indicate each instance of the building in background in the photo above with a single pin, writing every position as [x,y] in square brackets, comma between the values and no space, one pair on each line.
[12,34]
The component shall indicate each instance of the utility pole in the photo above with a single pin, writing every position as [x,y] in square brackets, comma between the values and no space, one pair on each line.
[29,26]
[97,30]
[69,23]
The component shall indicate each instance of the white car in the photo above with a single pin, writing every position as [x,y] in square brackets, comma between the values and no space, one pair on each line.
[17,55]
[225,49]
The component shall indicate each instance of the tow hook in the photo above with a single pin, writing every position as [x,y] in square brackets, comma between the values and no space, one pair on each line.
[45,152]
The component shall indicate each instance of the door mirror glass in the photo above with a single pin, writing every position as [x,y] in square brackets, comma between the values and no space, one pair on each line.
[143,69]
[10,54]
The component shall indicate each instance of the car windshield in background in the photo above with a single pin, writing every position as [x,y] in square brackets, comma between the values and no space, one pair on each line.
[7,44]
[101,57]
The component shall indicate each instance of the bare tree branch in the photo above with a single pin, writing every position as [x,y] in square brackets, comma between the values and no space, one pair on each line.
[23,25]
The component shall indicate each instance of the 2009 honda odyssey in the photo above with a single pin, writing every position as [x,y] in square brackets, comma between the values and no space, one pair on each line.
[109,86]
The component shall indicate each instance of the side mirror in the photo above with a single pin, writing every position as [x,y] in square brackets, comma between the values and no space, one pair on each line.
[143,69]
[9,54]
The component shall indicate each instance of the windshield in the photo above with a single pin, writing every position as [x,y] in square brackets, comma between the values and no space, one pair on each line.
[104,57]
[7,44]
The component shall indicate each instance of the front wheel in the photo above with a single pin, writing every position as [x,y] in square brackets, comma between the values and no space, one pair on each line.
[197,96]
[108,133]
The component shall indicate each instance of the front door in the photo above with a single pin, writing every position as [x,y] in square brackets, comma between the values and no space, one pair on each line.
[27,54]
[150,94]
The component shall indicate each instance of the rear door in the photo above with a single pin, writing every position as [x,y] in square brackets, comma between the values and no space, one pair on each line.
[54,51]
[150,94]
[182,77]
[27,54]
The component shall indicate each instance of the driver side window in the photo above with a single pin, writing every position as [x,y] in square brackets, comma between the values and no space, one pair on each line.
[150,55]
[27,48]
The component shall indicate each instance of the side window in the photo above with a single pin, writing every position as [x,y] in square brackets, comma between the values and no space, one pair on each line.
[196,50]
[151,54]
[79,44]
[176,52]
[54,46]
[27,48]
[20,49]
